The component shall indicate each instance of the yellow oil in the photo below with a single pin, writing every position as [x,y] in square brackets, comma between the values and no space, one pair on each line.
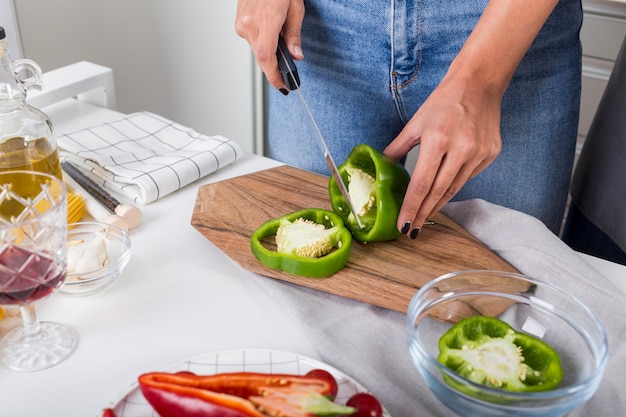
[32,155]
[39,155]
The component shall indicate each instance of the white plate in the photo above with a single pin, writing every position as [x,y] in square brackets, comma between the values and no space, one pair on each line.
[131,403]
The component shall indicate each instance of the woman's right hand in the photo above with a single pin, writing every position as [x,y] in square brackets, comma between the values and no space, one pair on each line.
[260,22]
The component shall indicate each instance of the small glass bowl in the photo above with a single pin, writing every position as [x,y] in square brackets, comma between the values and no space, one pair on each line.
[117,245]
[528,305]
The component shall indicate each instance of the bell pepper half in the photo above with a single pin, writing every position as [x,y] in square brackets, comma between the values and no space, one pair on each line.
[240,394]
[311,242]
[489,352]
[376,185]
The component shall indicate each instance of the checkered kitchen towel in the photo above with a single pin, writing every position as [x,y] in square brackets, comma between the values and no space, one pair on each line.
[144,157]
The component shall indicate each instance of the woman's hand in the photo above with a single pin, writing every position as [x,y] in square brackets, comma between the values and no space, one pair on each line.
[458,126]
[458,130]
[260,22]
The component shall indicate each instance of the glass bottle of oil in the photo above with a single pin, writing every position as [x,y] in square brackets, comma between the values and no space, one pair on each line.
[27,139]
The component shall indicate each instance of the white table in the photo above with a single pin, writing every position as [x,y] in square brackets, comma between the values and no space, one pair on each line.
[179,297]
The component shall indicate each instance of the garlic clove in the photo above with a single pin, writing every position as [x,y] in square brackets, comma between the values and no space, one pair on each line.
[84,256]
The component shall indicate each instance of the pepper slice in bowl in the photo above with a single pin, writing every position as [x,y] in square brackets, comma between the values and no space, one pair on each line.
[376,184]
[488,351]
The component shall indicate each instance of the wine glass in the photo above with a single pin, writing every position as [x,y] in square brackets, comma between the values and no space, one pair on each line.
[33,264]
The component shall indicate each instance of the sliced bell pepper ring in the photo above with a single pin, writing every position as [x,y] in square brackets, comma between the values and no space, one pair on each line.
[241,394]
[489,352]
[310,242]
[376,184]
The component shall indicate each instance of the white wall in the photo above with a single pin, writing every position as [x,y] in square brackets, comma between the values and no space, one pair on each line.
[178,58]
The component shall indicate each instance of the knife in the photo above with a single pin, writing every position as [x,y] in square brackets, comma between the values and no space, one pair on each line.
[291,78]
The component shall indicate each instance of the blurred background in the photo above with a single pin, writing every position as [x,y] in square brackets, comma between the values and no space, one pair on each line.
[177,58]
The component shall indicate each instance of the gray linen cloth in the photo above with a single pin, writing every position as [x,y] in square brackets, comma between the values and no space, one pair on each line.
[369,343]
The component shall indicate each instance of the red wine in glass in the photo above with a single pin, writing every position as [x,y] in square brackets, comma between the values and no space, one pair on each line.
[33,253]
[28,276]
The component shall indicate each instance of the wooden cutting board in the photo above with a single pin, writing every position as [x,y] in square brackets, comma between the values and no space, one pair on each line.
[385,274]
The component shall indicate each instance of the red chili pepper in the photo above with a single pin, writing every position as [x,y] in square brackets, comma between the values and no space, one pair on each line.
[242,394]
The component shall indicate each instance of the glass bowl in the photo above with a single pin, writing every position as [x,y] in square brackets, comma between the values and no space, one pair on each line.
[529,306]
[100,260]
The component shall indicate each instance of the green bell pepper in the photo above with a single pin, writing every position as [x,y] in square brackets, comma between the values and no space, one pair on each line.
[311,242]
[489,352]
[376,184]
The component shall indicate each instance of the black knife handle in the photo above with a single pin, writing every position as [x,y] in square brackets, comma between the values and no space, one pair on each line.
[286,65]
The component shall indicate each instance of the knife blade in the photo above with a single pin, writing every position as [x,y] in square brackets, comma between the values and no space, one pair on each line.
[291,78]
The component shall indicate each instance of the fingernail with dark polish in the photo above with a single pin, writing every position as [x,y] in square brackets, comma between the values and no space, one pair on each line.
[414,233]
[405,228]
[284,91]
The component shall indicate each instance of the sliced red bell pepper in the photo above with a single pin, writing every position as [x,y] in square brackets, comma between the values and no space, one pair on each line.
[242,394]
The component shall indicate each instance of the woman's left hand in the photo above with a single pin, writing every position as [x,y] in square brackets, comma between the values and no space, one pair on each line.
[458,130]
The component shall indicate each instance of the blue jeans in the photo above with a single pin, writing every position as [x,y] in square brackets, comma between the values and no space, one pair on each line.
[370,64]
